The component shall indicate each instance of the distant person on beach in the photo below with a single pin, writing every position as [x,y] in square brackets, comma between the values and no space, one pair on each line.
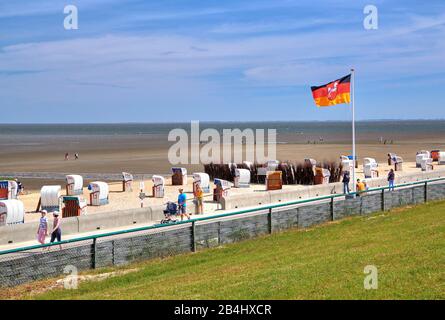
[42,230]
[198,200]
[346,180]
[67,156]
[20,189]
[76,156]
[182,204]
[391,177]
[56,233]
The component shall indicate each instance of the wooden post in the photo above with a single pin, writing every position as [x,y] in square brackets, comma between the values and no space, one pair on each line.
[38,205]
[332,208]
[426,191]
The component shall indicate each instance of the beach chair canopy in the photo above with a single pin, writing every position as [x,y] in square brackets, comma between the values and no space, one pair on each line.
[158,180]
[347,164]
[322,172]
[202,178]
[426,152]
[8,189]
[101,187]
[4,189]
[435,154]
[14,210]
[420,157]
[127,176]
[224,184]
[441,157]
[183,171]
[50,195]
[369,161]
[76,180]
[243,175]
[80,200]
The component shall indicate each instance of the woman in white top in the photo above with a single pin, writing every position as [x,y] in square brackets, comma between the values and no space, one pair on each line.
[42,231]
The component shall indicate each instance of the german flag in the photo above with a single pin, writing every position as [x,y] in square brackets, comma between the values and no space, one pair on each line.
[335,92]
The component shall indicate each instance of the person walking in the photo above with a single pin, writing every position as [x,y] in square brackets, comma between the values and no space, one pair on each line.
[42,230]
[391,177]
[56,233]
[198,200]
[346,179]
[182,204]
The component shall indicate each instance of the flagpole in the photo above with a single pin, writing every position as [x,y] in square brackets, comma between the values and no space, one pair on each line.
[354,187]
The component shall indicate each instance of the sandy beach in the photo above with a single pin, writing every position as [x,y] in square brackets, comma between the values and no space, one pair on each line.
[106,157]
[37,158]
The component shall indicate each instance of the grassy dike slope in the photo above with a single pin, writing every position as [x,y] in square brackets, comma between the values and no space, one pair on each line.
[407,246]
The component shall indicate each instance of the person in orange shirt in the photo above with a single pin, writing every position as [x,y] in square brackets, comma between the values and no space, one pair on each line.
[360,186]
[198,200]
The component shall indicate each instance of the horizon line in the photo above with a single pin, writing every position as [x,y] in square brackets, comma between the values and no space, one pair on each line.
[219,121]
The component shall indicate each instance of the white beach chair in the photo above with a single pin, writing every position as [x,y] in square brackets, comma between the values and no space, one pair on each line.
[99,193]
[12,211]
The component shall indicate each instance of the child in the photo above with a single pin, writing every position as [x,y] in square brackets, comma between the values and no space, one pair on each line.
[42,230]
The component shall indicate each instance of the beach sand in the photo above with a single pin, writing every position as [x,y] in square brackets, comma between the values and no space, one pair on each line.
[39,160]
[43,157]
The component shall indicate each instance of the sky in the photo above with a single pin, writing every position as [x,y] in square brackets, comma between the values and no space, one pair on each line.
[212,60]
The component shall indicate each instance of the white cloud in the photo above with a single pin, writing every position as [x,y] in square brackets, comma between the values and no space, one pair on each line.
[169,64]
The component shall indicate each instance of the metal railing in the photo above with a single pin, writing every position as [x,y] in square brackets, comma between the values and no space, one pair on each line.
[270,207]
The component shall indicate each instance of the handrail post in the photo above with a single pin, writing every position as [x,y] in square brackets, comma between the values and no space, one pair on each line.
[383,199]
[269,220]
[193,237]
[93,253]
[113,261]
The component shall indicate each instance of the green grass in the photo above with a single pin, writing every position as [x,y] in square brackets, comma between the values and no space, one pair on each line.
[325,262]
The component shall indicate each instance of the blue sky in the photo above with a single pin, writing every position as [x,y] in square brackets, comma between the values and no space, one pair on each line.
[149,61]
